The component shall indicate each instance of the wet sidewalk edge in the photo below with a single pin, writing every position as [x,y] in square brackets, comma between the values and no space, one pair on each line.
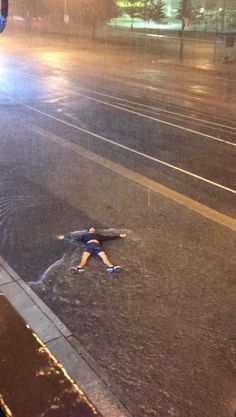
[61,343]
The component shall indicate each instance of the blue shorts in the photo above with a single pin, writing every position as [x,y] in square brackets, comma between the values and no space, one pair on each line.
[93,248]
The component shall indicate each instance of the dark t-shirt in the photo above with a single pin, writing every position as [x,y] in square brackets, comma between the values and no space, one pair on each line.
[86,237]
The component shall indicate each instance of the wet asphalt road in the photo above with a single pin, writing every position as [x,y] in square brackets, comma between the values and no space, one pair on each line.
[87,136]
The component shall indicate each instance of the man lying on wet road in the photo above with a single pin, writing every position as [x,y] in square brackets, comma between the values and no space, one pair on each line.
[93,247]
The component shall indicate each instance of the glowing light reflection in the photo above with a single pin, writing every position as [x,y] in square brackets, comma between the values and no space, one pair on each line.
[54,57]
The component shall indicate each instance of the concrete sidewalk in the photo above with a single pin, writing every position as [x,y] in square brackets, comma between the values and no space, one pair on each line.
[60,342]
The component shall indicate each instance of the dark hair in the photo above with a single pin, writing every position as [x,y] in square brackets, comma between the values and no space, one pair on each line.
[91,226]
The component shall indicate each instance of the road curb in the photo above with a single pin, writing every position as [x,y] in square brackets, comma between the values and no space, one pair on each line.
[60,342]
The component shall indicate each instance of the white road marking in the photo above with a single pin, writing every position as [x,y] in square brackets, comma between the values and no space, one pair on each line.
[139,179]
[159,161]
[157,109]
[227,142]
[186,129]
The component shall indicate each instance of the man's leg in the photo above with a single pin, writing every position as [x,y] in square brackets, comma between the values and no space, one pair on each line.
[80,268]
[105,259]
[84,259]
[107,262]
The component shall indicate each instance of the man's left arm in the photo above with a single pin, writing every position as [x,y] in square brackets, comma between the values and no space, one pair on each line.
[106,238]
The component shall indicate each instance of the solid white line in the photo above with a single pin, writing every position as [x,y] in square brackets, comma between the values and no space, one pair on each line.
[157,109]
[186,129]
[127,148]
[181,119]
[139,179]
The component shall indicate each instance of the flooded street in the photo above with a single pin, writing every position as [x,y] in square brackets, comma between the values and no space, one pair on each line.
[136,148]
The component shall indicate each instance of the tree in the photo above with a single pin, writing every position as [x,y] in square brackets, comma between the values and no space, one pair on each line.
[146,11]
[93,12]
[197,16]
[158,13]
[189,13]
[184,10]
[90,11]
[153,10]
[133,9]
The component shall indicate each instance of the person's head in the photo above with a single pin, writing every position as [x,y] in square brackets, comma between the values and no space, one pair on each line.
[92,229]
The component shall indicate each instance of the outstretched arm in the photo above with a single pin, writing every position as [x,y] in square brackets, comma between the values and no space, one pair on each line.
[60,237]
[106,238]
[68,238]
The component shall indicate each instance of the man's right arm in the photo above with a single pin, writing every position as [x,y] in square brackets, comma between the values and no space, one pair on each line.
[68,238]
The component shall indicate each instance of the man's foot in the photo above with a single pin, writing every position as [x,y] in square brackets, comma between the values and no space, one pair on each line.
[114,269]
[76,270]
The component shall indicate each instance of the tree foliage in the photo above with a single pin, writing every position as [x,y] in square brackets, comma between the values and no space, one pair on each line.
[185,10]
[147,10]
[158,13]
[153,10]
[133,8]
